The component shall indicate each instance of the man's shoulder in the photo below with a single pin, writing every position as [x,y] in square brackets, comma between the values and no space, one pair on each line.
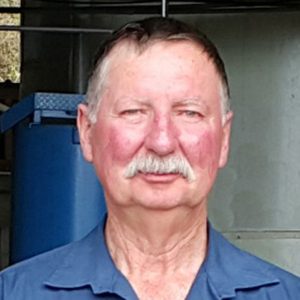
[282,282]
[37,268]
[67,267]
[283,285]
[286,279]
[240,271]
[265,267]
[283,275]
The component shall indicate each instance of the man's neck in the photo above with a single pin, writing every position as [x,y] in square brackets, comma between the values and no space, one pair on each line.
[151,248]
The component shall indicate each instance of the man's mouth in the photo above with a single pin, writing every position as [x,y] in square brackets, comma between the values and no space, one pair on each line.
[159,177]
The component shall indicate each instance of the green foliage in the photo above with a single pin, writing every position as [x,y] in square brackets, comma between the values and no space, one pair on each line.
[9,45]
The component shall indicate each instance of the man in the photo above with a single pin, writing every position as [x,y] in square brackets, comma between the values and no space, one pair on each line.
[156,127]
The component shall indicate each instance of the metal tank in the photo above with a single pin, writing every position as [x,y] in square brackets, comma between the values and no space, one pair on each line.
[56,195]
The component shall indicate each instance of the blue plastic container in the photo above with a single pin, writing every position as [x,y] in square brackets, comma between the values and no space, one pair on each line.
[56,195]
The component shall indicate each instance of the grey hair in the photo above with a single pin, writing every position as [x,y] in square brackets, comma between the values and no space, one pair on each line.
[143,34]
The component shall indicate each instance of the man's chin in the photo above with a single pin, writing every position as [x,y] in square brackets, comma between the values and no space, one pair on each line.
[160,200]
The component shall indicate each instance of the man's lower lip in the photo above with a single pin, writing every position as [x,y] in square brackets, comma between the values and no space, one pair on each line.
[153,177]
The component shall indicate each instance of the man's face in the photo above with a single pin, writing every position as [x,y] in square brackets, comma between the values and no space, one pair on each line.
[164,102]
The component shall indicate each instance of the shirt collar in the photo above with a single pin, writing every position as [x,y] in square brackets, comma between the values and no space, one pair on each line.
[229,269]
[88,263]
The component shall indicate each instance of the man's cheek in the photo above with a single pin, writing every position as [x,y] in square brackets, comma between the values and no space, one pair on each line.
[121,145]
[203,150]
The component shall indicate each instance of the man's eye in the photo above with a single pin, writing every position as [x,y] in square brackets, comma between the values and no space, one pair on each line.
[131,112]
[191,114]
[133,115]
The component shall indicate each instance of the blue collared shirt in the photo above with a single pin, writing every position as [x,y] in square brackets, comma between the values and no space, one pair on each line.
[84,270]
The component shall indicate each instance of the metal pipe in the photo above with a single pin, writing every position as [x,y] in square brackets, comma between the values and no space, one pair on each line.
[84,8]
[189,7]
[164,8]
[192,6]
[55,29]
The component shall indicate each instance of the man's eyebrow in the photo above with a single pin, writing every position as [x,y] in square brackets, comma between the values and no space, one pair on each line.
[123,102]
[131,100]
[198,101]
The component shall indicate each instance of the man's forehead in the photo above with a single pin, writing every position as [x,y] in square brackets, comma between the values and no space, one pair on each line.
[142,80]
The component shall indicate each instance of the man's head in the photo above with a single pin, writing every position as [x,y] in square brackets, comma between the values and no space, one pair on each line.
[157,123]
[139,36]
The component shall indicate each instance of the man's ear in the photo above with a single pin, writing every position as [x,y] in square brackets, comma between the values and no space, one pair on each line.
[84,126]
[225,146]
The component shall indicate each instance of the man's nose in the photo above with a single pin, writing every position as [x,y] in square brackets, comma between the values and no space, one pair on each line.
[161,138]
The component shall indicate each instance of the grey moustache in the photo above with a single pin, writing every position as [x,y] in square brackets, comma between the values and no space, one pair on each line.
[158,165]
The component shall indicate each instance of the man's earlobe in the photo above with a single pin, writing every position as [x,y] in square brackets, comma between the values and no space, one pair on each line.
[84,126]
